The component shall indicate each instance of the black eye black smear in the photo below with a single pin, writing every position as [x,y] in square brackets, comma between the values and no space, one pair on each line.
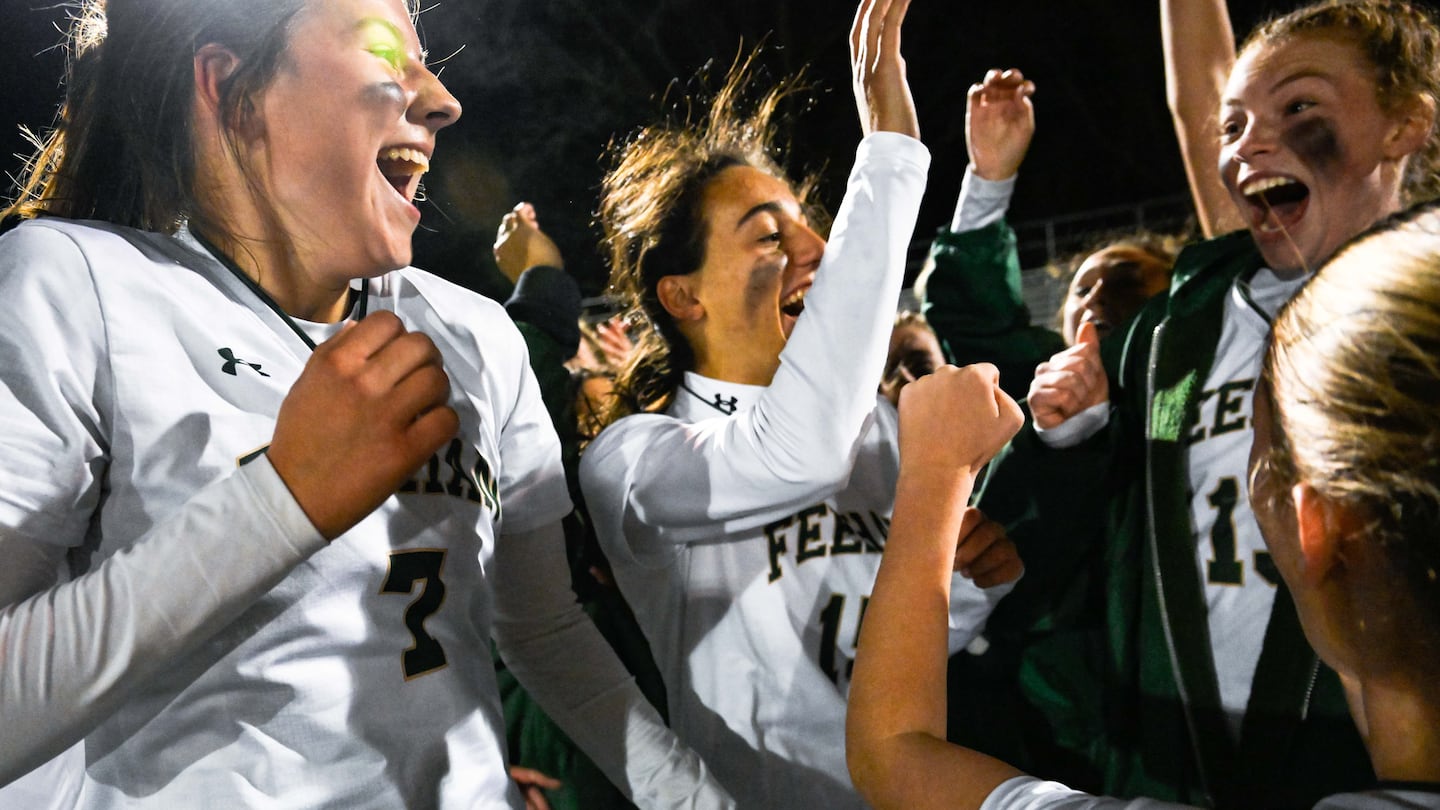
[1315,142]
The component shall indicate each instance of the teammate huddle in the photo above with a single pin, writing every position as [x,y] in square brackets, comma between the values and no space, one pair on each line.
[267,492]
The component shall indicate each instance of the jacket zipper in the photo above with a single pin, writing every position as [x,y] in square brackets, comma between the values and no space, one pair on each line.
[1153,537]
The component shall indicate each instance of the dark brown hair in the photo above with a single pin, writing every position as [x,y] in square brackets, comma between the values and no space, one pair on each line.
[651,213]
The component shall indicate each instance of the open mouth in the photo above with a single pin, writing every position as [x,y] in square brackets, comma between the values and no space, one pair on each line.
[795,304]
[1102,326]
[402,168]
[1275,202]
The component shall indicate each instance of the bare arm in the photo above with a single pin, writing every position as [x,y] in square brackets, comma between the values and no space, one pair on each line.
[895,729]
[1199,53]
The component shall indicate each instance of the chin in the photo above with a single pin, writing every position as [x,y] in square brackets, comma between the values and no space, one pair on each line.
[1280,255]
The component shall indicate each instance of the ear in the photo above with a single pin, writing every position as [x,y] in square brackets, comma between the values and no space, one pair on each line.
[1413,128]
[1324,527]
[214,63]
[678,299]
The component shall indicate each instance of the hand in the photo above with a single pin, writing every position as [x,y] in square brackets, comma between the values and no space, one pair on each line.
[1069,382]
[984,553]
[615,341]
[878,71]
[967,407]
[533,785]
[368,410]
[999,123]
[521,245]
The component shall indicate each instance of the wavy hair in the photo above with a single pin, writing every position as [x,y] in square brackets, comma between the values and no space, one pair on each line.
[652,218]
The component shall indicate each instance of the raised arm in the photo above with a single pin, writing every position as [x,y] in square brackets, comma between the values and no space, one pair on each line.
[882,95]
[795,446]
[1199,53]
[895,729]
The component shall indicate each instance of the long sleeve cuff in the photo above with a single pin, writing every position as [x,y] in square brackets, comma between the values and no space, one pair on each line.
[982,202]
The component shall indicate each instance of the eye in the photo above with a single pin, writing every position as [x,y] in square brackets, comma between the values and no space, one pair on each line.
[1298,106]
[1230,130]
[384,41]
[773,238]
[1081,292]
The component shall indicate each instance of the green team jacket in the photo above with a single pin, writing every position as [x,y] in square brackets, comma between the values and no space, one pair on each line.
[972,299]
[1104,529]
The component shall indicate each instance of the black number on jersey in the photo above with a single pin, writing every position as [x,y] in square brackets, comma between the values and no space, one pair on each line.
[830,634]
[1225,567]
[425,655]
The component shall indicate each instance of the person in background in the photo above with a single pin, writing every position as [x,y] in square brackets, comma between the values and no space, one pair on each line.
[1207,692]
[1349,506]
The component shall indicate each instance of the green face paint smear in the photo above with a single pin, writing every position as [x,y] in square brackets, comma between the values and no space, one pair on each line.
[384,40]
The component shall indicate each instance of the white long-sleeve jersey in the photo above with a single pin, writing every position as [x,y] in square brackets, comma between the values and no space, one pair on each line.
[165,600]
[745,525]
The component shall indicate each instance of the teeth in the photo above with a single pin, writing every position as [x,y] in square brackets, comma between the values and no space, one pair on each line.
[407,155]
[1265,184]
[794,299]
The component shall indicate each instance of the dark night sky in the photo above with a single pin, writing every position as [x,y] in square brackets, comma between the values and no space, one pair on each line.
[546,83]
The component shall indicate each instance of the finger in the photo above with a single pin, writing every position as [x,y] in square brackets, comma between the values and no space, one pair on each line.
[874,28]
[857,30]
[530,776]
[1087,335]
[1009,570]
[894,23]
[366,337]
[983,534]
[1011,415]
[987,372]
[401,357]
[431,430]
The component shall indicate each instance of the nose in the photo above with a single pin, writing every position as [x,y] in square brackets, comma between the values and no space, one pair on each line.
[804,247]
[1257,138]
[433,106]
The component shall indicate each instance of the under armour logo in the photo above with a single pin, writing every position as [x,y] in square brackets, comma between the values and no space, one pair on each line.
[231,361]
[726,406]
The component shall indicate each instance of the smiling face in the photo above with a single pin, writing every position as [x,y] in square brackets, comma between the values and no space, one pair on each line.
[346,128]
[760,260]
[914,352]
[1110,287]
[1307,153]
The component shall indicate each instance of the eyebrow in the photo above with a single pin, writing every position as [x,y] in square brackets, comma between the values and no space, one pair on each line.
[1308,73]
[771,207]
[1305,73]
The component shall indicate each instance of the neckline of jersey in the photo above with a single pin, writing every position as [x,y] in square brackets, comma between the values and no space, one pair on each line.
[358,308]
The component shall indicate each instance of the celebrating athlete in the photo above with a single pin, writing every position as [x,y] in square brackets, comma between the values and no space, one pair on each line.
[259,526]
[744,502]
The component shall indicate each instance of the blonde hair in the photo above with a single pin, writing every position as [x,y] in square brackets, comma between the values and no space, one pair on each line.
[1354,374]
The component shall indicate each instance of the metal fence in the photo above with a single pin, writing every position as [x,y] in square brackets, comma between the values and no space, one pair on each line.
[1046,243]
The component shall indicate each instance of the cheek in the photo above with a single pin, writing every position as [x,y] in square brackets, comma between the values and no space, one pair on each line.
[1316,144]
[762,288]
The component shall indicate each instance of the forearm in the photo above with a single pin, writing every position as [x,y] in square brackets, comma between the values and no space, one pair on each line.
[1197,65]
[72,652]
[562,660]
[896,744]
[835,357]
